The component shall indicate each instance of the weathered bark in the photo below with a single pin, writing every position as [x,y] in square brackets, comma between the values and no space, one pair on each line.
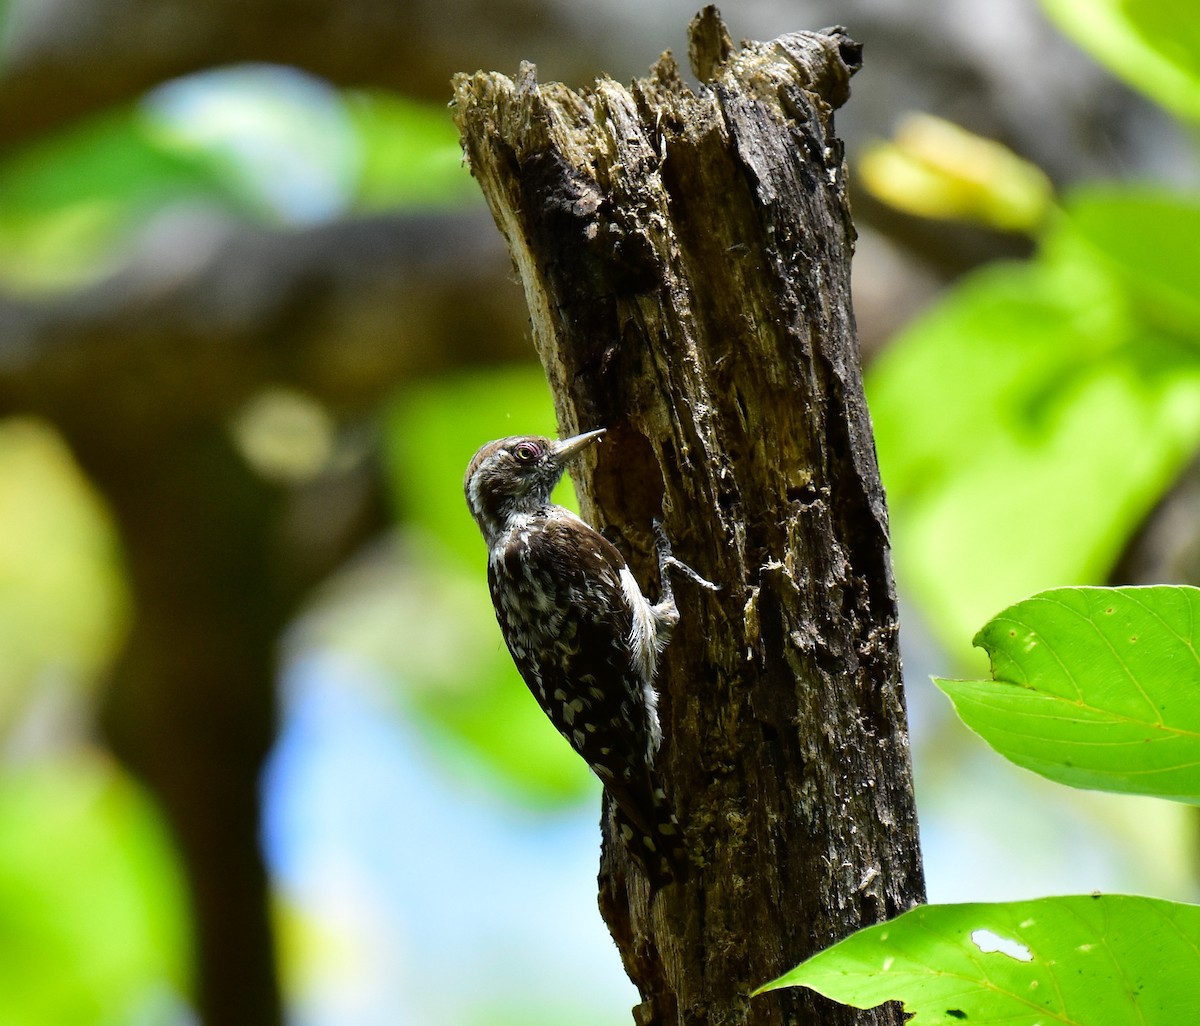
[685,258]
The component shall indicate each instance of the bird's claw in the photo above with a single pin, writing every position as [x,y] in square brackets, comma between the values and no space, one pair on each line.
[662,545]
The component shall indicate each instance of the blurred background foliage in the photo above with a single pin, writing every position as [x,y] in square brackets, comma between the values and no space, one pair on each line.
[256,720]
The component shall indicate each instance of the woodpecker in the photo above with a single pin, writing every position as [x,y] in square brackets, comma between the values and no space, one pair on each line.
[583,636]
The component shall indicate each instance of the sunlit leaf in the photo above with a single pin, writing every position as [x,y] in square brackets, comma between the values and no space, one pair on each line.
[1094,687]
[1091,960]
[433,431]
[1154,45]
[411,154]
[934,168]
[279,137]
[1151,238]
[1025,425]
[91,906]
[63,603]
[70,205]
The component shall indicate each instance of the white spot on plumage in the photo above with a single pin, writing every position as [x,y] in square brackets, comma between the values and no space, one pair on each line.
[646,641]
[643,644]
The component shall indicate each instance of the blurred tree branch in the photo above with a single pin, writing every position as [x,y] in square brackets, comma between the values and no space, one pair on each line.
[196,324]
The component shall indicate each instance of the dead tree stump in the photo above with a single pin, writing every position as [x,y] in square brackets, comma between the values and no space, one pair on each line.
[685,256]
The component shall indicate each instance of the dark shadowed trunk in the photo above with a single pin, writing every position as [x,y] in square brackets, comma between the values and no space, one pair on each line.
[686,261]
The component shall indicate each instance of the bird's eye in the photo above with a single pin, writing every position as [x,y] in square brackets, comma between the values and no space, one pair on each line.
[526,452]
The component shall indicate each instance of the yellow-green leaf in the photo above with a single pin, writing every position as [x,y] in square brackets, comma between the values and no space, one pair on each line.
[1086,960]
[1095,688]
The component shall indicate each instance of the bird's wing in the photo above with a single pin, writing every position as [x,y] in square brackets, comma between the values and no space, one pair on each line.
[567,623]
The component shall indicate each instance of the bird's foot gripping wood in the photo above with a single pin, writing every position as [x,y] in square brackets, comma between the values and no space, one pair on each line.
[667,561]
[653,836]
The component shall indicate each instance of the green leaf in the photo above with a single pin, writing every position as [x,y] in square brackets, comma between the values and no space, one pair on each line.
[70,205]
[430,622]
[1025,425]
[935,168]
[1151,239]
[63,603]
[92,909]
[433,430]
[1094,687]
[1087,960]
[1154,45]
[411,154]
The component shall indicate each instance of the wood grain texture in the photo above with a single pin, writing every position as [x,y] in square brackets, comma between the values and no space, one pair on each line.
[685,256]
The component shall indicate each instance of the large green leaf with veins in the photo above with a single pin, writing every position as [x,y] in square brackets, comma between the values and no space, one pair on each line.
[1088,960]
[1094,687]
[1027,423]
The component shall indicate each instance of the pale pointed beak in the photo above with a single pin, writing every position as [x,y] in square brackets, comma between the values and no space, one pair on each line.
[569,448]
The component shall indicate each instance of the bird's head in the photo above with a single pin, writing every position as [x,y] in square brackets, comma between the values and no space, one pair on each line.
[516,475]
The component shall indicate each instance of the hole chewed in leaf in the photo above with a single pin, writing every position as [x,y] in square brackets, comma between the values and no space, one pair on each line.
[987,942]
